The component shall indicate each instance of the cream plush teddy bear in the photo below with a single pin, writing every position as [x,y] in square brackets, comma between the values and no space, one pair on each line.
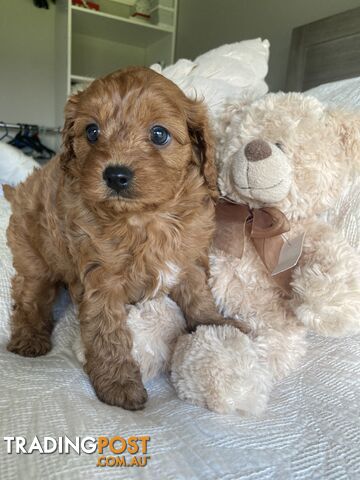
[291,157]
[286,158]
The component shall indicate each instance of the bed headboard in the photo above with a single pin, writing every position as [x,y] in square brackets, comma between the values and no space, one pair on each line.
[324,51]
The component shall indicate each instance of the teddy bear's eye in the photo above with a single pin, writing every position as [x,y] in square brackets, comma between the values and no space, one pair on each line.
[280,145]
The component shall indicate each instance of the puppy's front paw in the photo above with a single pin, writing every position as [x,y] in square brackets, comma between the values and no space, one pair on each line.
[127,391]
[30,345]
[128,395]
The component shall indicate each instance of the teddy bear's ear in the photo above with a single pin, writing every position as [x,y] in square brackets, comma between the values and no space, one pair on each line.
[67,153]
[203,144]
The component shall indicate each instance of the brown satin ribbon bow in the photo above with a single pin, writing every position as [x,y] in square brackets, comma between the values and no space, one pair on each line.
[264,226]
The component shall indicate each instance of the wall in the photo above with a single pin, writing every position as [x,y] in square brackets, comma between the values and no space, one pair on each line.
[205,24]
[27,63]
[27,43]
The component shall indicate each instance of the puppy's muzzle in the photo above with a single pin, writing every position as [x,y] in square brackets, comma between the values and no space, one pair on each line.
[118,178]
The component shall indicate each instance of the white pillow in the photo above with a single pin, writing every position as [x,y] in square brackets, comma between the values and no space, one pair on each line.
[223,74]
[15,166]
[232,71]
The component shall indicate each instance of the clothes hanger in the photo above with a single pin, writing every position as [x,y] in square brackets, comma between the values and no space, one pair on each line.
[18,141]
[22,140]
[31,141]
[42,3]
[27,140]
[39,146]
[3,124]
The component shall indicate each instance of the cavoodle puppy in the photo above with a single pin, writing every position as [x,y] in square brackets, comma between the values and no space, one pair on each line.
[125,212]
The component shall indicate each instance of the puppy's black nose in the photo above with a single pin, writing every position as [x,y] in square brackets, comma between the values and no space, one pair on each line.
[118,178]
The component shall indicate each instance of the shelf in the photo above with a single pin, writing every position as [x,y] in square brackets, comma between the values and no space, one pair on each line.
[129,3]
[117,29]
[81,79]
[163,4]
[162,16]
[90,44]
[165,9]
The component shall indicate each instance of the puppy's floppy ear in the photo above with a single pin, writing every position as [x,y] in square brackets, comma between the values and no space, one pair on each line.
[203,144]
[67,151]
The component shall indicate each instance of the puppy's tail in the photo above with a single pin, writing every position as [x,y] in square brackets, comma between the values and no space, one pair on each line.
[9,192]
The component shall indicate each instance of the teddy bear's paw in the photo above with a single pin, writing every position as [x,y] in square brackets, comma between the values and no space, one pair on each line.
[218,367]
[328,303]
[282,350]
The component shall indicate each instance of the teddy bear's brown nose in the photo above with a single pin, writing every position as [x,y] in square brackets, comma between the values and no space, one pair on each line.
[257,150]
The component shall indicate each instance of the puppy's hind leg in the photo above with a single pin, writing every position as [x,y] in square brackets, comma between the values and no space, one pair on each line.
[31,321]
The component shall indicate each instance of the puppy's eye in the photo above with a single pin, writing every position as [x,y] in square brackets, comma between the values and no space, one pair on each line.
[92,132]
[280,145]
[159,135]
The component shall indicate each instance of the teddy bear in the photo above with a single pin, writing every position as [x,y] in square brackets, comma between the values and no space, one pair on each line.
[283,161]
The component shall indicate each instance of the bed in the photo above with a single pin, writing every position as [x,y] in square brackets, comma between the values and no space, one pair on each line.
[324,51]
[310,430]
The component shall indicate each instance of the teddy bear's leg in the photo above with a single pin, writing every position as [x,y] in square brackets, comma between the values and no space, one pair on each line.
[220,368]
[156,324]
[282,347]
[326,283]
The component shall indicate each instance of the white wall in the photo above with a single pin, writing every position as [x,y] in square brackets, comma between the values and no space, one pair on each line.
[27,63]
[27,37]
[205,24]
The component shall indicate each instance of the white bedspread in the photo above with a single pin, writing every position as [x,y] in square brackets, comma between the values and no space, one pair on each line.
[311,429]
[345,93]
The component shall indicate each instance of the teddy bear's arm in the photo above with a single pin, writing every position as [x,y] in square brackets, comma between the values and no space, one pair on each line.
[326,283]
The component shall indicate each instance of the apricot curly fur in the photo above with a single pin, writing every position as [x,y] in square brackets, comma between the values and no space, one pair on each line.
[68,227]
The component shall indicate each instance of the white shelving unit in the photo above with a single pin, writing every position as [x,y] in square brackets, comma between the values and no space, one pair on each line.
[92,43]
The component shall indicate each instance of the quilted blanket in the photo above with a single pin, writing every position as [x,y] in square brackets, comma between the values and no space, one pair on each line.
[311,429]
